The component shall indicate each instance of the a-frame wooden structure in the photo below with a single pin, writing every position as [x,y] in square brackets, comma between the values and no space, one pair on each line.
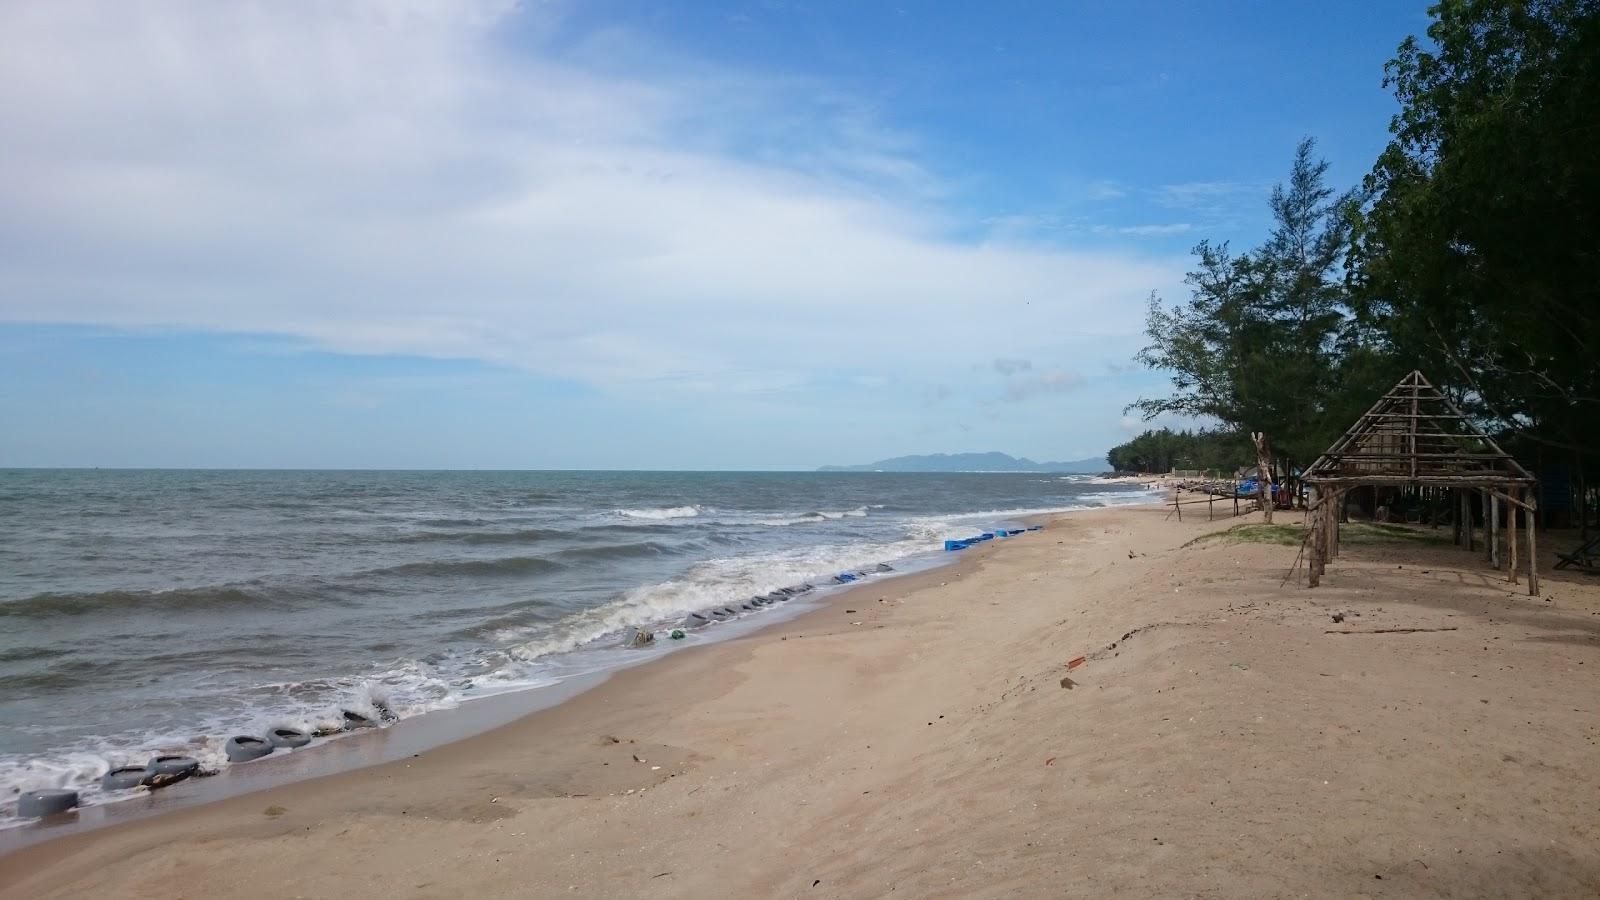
[1414,436]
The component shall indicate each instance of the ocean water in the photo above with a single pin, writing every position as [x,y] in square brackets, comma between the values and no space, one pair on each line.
[145,611]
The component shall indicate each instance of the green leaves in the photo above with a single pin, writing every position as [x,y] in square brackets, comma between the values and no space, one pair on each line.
[1477,256]
[1471,251]
[1257,346]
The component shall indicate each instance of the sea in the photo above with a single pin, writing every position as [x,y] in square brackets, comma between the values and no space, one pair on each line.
[146,611]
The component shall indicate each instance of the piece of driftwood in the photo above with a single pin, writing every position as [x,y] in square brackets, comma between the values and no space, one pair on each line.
[1391,630]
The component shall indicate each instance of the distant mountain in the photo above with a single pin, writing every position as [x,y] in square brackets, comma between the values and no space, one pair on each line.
[974,462]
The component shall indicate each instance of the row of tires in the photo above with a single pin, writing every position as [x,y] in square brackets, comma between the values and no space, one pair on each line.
[163,770]
[698,619]
[160,770]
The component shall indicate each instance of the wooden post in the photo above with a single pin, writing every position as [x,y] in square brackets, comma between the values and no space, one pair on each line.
[1314,564]
[1494,529]
[1488,526]
[1262,478]
[1511,540]
[1533,545]
[1330,525]
[1330,528]
[1455,519]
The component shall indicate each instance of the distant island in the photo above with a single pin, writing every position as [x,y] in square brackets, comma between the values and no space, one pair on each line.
[974,462]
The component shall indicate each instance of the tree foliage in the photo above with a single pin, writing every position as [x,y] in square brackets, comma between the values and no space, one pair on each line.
[1262,344]
[1165,450]
[1471,251]
[1479,254]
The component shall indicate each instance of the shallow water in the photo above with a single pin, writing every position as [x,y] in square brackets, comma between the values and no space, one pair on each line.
[148,610]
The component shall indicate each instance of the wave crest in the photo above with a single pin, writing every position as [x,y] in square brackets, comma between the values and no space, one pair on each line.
[665,512]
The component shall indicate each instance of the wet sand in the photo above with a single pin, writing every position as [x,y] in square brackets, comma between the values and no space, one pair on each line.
[1224,737]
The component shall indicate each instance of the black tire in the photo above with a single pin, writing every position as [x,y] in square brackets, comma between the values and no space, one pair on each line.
[288,737]
[355,720]
[48,802]
[181,766]
[244,747]
[694,620]
[777,597]
[884,567]
[124,777]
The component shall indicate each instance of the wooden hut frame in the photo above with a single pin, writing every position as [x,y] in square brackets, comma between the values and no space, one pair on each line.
[1415,437]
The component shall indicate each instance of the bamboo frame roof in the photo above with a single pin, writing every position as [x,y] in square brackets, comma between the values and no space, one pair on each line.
[1415,435]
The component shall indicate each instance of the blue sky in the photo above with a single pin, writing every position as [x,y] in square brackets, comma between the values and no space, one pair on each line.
[479,233]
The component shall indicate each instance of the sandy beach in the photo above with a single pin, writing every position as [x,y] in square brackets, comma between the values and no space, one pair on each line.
[1224,737]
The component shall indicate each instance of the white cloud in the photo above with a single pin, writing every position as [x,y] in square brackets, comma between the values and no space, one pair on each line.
[1212,199]
[1156,230]
[1056,382]
[1105,189]
[433,178]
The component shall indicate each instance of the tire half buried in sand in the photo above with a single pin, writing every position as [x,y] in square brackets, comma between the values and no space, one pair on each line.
[124,777]
[38,804]
[288,737]
[181,766]
[244,747]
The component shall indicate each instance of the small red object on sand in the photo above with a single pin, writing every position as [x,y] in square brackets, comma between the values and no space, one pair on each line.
[1051,761]
[1074,663]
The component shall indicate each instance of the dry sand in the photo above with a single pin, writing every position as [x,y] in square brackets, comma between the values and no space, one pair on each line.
[915,738]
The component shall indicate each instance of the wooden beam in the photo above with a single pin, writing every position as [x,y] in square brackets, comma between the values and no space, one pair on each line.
[1509,499]
[1481,479]
[1365,454]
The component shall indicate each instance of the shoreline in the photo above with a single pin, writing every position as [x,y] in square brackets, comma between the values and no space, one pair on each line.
[912,734]
[435,729]
[477,637]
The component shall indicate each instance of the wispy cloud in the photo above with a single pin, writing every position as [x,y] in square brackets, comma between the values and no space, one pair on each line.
[1105,189]
[1166,230]
[1056,382]
[1011,366]
[1199,193]
[380,177]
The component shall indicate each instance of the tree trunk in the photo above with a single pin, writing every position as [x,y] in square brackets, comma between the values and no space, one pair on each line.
[1263,478]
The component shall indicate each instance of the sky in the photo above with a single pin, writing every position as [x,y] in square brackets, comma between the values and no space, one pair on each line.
[605,234]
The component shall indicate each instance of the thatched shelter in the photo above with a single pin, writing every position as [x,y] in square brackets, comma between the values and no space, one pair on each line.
[1415,438]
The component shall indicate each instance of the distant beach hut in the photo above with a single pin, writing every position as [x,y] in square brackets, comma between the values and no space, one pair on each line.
[1415,438]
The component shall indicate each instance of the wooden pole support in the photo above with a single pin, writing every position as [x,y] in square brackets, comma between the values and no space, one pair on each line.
[1533,548]
[1515,509]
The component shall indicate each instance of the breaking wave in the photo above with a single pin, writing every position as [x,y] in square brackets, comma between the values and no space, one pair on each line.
[667,512]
